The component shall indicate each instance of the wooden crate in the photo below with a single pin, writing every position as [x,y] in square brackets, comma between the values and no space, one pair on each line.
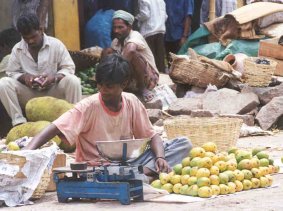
[60,161]
[270,48]
[279,67]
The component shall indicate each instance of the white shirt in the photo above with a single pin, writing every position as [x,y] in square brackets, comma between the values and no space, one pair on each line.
[53,57]
[152,17]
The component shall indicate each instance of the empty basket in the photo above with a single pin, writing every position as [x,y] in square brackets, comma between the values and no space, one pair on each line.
[223,131]
[258,74]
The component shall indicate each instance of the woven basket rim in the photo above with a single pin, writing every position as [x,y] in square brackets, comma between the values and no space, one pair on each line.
[202,119]
[223,131]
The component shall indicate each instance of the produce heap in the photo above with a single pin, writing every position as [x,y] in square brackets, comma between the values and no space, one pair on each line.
[87,80]
[40,112]
[206,172]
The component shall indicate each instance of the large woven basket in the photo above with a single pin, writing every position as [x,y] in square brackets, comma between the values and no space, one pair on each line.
[196,73]
[258,75]
[83,60]
[42,186]
[223,131]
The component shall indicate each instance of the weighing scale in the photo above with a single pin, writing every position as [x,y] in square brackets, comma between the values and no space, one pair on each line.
[115,181]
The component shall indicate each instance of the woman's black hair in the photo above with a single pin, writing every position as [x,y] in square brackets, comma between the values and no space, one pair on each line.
[9,37]
[113,69]
[27,23]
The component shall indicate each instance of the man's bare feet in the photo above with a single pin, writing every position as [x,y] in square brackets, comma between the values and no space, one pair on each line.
[147,95]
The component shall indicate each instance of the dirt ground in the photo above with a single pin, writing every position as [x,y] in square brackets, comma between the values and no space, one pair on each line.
[270,199]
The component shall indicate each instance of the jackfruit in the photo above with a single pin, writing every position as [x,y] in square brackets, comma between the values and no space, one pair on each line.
[46,108]
[66,147]
[29,129]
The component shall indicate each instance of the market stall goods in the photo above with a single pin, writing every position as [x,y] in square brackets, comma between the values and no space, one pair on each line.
[206,172]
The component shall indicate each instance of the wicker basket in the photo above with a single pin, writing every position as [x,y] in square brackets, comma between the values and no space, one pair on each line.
[42,186]
[258,74]
[196,73]
[223,131]
[83,60]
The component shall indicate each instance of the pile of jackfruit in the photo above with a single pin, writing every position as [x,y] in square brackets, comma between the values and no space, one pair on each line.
[40,112]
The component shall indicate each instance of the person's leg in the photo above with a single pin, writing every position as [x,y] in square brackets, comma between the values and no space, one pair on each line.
[196,15]
[156,45]
[106,51]
[145,76]
[171,47]
[13,96]
[69,88]
[160,52]
[175,150]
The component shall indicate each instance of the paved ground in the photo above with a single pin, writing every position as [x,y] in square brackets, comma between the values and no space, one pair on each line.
[258,200]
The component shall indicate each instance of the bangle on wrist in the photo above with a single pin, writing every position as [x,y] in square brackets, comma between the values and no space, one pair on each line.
[159,158]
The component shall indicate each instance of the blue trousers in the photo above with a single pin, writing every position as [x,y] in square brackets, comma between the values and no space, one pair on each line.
[175,150]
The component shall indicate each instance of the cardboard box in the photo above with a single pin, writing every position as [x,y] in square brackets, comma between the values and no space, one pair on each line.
[270,48]
[279,67]
[60,161]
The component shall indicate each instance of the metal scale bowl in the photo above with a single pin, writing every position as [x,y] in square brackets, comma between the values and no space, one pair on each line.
[114,181]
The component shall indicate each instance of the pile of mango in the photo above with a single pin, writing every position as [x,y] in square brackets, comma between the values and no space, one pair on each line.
[87,82]
[206,172]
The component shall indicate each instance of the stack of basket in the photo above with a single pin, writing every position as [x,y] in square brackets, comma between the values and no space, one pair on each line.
[258,75]
[223,131]
[196,73]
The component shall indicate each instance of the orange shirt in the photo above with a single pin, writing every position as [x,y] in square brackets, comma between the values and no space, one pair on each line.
[91,121]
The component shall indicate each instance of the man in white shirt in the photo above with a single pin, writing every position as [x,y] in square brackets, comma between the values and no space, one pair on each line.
[151,20]
[39,66]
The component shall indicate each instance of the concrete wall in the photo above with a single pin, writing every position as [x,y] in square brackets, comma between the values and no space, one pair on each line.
[5,14]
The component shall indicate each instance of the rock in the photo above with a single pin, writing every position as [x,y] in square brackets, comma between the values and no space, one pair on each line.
[228,101]
[165,79]
[247,119]
[154,104]
[159,123]
[233,84]
[266,95]
[269,114]
[154,115]
[201,113]
[184,106]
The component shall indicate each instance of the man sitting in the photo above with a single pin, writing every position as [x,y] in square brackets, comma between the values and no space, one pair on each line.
[112,115]
[39,65]
[133,47]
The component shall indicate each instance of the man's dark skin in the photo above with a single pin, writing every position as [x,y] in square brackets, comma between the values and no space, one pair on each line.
[121,31]
[34,39]
[112,97]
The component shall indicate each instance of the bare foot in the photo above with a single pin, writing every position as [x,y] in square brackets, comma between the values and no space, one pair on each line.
[147,95]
